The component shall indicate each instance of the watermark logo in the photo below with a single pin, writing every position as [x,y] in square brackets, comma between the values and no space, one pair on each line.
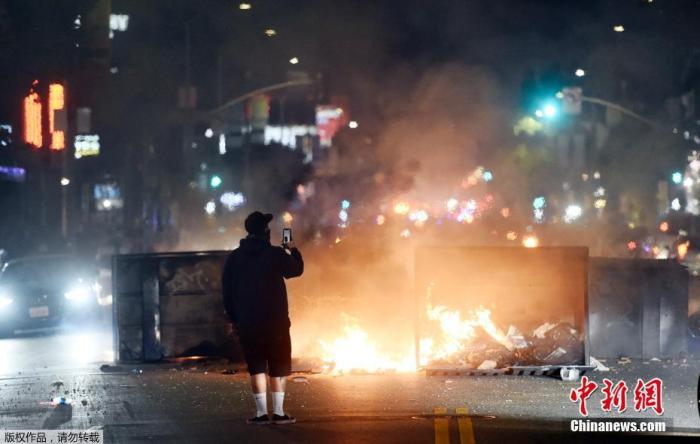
[647,395]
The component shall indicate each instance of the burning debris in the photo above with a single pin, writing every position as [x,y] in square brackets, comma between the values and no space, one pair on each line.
[474,341]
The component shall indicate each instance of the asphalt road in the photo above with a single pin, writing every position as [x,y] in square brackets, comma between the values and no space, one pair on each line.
[197,403]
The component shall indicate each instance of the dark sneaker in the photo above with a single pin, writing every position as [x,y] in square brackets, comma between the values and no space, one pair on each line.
[286,419]
[260,420]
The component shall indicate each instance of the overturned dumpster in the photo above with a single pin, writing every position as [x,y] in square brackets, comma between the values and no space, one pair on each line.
[492,310]
[638,308]
[169,305]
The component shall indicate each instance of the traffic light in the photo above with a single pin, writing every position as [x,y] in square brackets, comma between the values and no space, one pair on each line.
[215,181]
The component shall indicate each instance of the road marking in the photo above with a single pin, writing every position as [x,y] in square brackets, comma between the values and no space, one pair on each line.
[466,429]
[442,426]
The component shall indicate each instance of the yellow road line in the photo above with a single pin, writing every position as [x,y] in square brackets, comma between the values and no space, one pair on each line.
[466,429]
[442,426]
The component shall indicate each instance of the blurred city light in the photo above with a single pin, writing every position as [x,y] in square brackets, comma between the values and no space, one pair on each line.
[682,250]
[65,181]
[210,207]
[619,28]
[287,217]
[452,204]
[600,203]
[232,200]
[294,60]
[663,227]
[676,204]
[222,144]
[209,133]
[632,245]
[677,177]
[343,215]
[580,72]
[512,235]
[419,217]
[572,213]
[244,6]
[353,124]
[380,219]
[531,241]
[345,204]
[539,113]
[270,32]
[402,208]
[488,176]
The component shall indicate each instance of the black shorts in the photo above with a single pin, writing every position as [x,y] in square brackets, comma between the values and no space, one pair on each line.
[268,353]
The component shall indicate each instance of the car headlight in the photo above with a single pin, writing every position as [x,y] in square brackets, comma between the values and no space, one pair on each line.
[4,301]
[78,293]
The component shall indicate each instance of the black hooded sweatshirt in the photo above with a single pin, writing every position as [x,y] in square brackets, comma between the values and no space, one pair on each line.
[255,296]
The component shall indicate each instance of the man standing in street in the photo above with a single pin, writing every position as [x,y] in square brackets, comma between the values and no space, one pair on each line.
[255,298]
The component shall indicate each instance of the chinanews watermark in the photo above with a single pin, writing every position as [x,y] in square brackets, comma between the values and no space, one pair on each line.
[646,396]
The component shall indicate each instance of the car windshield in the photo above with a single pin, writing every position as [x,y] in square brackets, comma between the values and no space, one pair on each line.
[43,272]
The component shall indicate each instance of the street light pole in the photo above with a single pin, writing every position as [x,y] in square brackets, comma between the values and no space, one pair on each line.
[621,109]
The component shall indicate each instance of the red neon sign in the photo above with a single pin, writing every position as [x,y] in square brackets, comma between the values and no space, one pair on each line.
[57,103]
[32,120]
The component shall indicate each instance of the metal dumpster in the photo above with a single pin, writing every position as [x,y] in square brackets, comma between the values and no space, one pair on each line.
[168,305]
[638,308]
[521,287]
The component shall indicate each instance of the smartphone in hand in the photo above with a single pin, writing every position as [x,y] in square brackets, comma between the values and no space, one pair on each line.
[286,236]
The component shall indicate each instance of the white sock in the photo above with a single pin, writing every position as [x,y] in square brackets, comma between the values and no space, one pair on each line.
[260,404]
[277,403]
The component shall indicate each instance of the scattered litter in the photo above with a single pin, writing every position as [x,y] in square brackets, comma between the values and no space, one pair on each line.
[542,330]
[300,379]
[516,337]
[57,384]
[111,368]
[624,360]
[569,374]
[228,371]
[599,365]
[61,401]
[487,365]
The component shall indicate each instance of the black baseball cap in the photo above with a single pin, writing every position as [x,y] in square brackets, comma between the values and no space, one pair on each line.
[256,222]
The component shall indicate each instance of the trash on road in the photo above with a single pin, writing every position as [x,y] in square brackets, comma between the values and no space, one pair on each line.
[624,360]
[60,400]
[569,374]
[599,365]
[111,368]
[487,365]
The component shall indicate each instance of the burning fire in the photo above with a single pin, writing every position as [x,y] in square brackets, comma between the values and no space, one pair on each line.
[355,351]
